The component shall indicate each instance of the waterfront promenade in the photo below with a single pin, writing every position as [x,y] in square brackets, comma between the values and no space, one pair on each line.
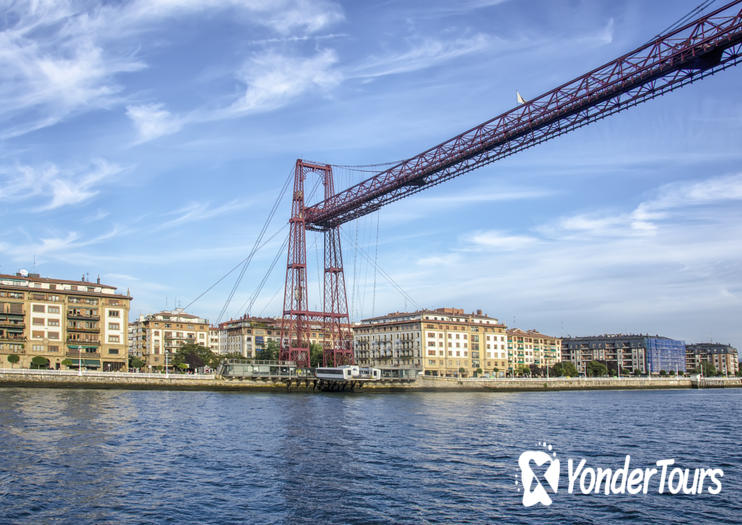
[143,381]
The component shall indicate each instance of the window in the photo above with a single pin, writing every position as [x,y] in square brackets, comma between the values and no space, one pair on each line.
[114,339]
[38,321]
[39,308]
[53,309]
[114,313]
[54,336]
[37,334]
[38,348]
[114,326]
[113,351]
[54,348]
[52,322]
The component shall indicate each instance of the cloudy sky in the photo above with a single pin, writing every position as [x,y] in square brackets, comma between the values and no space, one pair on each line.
[147,141]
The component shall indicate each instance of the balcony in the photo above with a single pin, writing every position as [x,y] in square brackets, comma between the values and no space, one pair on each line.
[83,342]
[12,324]
[83,355]
[85,317]
[82,329]
[12,337]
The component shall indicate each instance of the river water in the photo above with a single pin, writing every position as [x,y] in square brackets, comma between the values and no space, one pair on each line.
[116,456]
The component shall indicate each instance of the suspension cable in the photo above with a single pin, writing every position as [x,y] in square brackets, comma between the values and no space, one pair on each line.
[388,277]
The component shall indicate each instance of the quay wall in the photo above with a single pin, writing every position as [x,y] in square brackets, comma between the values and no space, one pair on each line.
[102,380]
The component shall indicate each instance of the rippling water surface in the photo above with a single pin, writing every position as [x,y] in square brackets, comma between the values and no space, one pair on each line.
[103,456]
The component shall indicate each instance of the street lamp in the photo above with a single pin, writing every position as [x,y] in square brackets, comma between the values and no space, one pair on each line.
[79,360]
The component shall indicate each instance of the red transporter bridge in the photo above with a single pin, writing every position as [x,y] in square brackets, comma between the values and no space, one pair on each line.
[700,48]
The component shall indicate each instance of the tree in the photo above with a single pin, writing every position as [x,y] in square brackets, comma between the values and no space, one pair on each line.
[315,355]
[478,372]
[708,369]
[462,371]
[663,373]
[523,370]
[13,359]
[39,362]
[270,352]
[596,369]
[195,356]
[67,362]
[565,369]
[136,362]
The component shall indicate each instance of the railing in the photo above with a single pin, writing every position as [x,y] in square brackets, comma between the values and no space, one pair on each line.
[83,355]
[74,315]
[12,338]
[129,375]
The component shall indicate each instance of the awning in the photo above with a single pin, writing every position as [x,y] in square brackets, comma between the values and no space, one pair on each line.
[85,362]
[82,347]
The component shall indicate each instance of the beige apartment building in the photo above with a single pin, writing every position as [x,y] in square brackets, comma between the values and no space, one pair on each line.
[71,324]
[530,347]
[442,342]
[248,336]
[725,358]
[156,337]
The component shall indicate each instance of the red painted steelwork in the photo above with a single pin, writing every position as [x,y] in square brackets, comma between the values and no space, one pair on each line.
[700,48]
[295,324]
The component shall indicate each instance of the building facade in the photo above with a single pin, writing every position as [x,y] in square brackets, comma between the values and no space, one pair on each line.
[71,324]
[158,336]
[529,347]
[443,342]
[725,358]
[249,336]
[632,353]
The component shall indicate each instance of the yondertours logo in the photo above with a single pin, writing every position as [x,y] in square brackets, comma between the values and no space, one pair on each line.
[540,471]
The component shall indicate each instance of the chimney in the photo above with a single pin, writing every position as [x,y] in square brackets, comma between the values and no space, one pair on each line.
[98,280]
[479,312]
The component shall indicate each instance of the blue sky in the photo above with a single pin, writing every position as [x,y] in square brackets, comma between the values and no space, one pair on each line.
[146,141]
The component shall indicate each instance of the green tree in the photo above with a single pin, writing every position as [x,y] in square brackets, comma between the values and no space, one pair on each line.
[315,355]
[39,362]
[596,369]
[478,372]
[565,369]
[270,352]
[68,362]
[708,369]
[523,370]
[13,359]
[663,373]
[195,356]
[136,362]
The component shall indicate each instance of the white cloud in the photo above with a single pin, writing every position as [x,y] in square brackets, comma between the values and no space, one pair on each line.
[64,247]
[65,187]
[273,80]
[497,240]
[199,211]
[61,58]
[282,16]
[153,121]
[423,54]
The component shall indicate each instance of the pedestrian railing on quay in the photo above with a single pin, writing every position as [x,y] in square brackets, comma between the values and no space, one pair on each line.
[126,375]
[560,378]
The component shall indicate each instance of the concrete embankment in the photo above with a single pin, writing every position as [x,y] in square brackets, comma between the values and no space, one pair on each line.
[55,379]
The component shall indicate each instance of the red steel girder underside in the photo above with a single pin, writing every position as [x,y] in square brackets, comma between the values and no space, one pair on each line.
[700,48]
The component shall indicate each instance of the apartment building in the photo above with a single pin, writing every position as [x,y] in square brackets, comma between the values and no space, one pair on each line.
[530,347]
[633,353]
[442,342]
[213,342]
[248,336]
[70,324]
[158,336]
[725,358]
